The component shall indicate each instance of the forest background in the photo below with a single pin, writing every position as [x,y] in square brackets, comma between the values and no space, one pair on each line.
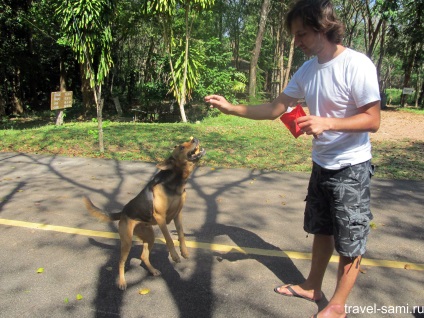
[157,59]
[138,69]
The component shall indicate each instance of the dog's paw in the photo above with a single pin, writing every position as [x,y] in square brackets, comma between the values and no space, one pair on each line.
[185,254]
[155,272]
[175,258]
[122,285]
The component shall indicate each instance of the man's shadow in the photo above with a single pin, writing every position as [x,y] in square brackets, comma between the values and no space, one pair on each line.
[283,267]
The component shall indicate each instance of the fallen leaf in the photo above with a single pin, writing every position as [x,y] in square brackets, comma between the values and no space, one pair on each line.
[79,297]
[66,300]
[40,270]
[144,291]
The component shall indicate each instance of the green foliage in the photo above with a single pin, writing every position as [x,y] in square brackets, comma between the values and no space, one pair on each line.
[216,74]
[239,82]
[153,91]
[94,133]
[196,57]
[86,27]
[131,42]
[186,59]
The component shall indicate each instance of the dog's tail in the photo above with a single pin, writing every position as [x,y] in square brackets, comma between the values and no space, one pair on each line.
[96,212]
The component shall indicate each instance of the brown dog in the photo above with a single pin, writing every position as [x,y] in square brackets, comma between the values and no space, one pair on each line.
[159,203]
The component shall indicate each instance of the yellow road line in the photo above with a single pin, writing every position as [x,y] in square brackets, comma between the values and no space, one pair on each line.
[212,246]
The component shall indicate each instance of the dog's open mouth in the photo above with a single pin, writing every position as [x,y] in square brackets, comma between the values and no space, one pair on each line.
[197,152]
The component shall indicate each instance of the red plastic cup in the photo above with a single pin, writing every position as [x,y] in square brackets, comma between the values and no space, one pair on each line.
[289,119]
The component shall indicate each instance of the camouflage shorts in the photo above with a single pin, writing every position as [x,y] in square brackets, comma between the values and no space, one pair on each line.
[338,203]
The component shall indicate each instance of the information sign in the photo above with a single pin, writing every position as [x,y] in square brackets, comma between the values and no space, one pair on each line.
[61,100]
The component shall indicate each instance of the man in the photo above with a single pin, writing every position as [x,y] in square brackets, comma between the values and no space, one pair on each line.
[341,90]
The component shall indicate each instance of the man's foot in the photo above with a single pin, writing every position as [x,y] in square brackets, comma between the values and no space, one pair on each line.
[299,292]
[331,311]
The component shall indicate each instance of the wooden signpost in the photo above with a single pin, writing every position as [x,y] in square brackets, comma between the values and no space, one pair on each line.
[60,100]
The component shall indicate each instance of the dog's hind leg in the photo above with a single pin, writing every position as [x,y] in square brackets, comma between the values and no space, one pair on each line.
[147,235]
[126,230]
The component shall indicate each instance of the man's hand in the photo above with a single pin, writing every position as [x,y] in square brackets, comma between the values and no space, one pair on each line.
[367,120]
[219,102]
[313,125]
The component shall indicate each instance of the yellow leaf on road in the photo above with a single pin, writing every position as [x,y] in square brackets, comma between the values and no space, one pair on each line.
[144,291]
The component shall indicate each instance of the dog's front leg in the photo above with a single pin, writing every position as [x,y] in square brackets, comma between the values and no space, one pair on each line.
[179,226]
[126,230]
[169,242]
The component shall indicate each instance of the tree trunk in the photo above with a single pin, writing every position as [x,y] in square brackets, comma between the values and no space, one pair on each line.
[18,108]
[117,105]
[87,93]
[278,71]
[408,71]
[2,105]
[421,97]
[184,83]
[380,59]
[99,105]
[62,80]
[420,84]
[258,44]
[289,64]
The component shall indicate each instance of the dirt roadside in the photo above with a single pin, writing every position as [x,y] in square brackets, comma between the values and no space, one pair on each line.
[397,125]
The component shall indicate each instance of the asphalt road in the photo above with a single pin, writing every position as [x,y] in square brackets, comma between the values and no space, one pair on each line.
[244,230]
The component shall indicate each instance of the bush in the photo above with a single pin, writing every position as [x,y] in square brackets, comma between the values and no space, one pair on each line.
[217,76]
[394,95]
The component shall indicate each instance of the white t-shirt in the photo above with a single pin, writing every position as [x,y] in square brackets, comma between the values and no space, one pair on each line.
[337,89]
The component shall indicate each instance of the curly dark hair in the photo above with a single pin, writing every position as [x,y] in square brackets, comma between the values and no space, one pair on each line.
[320,16]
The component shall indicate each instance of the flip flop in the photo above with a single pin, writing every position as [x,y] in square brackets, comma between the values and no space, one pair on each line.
[294,294]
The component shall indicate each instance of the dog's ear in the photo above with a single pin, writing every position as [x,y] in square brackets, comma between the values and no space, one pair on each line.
[167,164]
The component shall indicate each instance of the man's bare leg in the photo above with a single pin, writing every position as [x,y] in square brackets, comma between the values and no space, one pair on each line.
[346,277]
[322,250]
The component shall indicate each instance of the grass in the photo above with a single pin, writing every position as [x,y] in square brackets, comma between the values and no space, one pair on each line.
[230,142]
